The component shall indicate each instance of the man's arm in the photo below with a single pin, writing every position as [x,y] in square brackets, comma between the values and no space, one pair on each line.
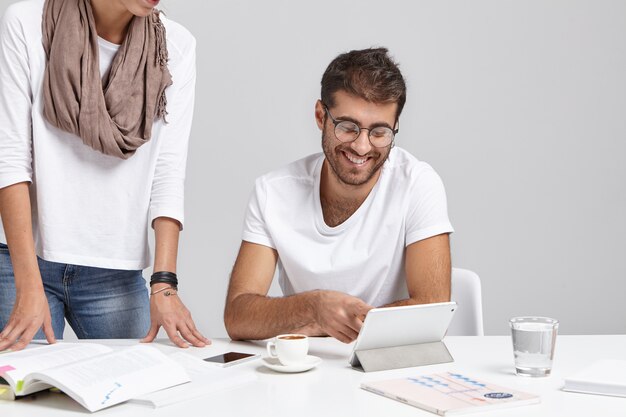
[428,271]
[250,314]
[30,311]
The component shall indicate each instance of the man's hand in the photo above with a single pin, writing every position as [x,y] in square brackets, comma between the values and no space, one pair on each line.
[170,312]
[340,315]
[30,313]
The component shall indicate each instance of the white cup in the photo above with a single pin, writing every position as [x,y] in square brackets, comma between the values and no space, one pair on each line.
[290,349]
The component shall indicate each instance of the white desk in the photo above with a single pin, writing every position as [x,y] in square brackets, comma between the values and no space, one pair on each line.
[332,389]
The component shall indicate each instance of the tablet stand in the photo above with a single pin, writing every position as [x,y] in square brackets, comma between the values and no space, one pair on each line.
[395,357]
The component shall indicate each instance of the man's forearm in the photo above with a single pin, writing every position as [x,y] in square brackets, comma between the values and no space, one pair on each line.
[441,296]
[254,317]
[399,303]
[411,302]
[16,215]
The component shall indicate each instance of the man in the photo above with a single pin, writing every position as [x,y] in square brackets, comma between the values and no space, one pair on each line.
[362,225]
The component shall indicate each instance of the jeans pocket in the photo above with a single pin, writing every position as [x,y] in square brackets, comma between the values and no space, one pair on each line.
[4,247]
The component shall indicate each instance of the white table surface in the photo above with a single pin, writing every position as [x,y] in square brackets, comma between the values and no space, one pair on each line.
[332,389]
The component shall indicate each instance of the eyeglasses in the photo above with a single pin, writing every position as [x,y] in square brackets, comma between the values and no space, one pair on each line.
[345,131]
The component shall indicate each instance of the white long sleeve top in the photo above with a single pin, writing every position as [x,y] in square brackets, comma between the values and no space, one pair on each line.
[89,208]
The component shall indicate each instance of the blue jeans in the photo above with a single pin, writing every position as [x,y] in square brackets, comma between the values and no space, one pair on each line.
[98,303]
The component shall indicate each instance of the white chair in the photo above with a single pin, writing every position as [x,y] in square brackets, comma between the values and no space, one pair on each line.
[468,318]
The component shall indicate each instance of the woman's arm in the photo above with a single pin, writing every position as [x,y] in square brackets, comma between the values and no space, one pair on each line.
[169,311]
[30,311]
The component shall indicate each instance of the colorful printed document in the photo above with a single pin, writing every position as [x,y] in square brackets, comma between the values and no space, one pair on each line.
[450,393]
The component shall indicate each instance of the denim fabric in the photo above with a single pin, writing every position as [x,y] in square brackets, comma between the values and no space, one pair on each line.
[97,303]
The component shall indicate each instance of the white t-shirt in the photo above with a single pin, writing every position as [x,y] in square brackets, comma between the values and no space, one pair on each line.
[364,256]
[89,208]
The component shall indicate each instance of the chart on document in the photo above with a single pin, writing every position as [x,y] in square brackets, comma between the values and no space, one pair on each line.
[449,393]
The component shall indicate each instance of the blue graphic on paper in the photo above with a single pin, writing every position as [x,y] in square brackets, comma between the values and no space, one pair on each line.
[466,379]
[498,395]
[107,397]
[428,381]
[461,389]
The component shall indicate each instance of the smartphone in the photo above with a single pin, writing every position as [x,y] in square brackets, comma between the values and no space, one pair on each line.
[231,358]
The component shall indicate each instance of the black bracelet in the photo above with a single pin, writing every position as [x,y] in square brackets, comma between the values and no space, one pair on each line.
[164,277]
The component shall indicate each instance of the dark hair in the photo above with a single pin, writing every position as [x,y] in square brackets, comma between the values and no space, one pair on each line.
[369,73]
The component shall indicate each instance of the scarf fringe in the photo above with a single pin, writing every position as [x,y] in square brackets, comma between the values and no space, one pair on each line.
[161,60]
[161,45]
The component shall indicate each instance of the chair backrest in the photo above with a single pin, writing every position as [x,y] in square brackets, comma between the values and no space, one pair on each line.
[468,318]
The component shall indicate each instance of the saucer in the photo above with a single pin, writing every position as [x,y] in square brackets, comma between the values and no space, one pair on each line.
[274,364]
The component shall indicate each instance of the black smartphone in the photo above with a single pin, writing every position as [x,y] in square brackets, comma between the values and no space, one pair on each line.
[231,358]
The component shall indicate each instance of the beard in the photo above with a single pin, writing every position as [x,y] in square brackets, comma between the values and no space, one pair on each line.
[335,152]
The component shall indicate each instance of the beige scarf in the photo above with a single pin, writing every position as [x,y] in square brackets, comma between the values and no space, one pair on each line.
[113,116]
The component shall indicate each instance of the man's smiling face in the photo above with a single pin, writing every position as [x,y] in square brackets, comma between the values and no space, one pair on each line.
[355,163]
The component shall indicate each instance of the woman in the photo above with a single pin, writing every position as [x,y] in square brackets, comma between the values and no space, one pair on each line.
[96,102]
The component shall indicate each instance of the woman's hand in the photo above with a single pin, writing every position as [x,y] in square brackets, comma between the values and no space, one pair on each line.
[30,313]
[167,310]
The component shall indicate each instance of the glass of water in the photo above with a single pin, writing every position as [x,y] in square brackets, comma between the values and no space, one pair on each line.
[533,344]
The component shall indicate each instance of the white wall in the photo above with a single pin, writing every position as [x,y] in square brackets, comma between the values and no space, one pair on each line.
[519,105]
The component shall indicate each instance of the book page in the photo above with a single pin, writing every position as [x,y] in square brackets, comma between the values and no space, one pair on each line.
[6,392]
[19,364]
[115,377]
[205,379]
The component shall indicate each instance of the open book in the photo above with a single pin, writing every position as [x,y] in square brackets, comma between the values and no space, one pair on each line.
[449,393]
[96,376]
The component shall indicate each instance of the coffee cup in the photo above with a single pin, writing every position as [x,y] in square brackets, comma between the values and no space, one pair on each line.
[290,349]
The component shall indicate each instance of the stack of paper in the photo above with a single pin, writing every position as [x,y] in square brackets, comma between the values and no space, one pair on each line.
[205,379]
[606,377]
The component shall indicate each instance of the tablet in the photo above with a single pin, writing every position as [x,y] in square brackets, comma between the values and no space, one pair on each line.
[401,326]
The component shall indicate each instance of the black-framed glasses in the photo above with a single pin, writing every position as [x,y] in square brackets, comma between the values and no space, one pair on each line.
[346,131]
